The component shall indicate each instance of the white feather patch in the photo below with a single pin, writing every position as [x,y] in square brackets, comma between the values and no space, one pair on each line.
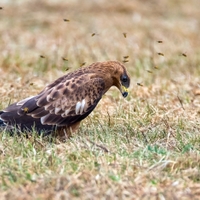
[3,120]
[43,119]
[66,112]
[57,110]
[47,106]
[48,97]
[78,106]
[82,106]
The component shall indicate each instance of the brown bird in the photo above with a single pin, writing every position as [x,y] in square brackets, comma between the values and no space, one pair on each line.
[61,106]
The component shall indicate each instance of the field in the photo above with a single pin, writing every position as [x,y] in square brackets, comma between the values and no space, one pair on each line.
[146,146]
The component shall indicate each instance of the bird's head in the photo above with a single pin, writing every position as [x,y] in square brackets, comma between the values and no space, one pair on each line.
[124,84]
[120,77]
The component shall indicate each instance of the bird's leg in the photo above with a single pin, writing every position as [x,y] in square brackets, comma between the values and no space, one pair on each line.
[65,133]
[74,127]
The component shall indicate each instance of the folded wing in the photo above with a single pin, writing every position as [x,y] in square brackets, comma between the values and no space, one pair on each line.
[60,104]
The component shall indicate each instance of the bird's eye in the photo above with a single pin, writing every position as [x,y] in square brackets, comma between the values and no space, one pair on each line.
[124,79]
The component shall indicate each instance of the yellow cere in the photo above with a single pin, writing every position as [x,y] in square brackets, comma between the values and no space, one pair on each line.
[124,88]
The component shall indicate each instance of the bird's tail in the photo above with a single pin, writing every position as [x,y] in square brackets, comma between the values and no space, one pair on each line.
[1,121]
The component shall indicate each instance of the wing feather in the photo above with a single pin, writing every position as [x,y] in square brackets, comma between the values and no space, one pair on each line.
[65,104]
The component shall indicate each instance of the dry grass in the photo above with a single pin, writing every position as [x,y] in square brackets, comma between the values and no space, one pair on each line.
[144,147]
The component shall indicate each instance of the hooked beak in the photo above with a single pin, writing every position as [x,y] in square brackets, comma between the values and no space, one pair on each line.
[124,91]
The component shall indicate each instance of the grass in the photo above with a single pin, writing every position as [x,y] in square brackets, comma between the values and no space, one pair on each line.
[143,147]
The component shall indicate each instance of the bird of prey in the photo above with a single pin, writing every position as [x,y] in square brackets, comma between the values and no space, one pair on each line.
[61,106]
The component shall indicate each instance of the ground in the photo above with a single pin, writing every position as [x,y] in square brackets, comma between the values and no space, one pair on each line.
[143,147]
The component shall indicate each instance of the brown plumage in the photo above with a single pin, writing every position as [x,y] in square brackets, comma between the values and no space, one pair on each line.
[61,106]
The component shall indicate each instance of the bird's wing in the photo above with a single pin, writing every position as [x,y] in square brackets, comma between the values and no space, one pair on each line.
[65,103]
